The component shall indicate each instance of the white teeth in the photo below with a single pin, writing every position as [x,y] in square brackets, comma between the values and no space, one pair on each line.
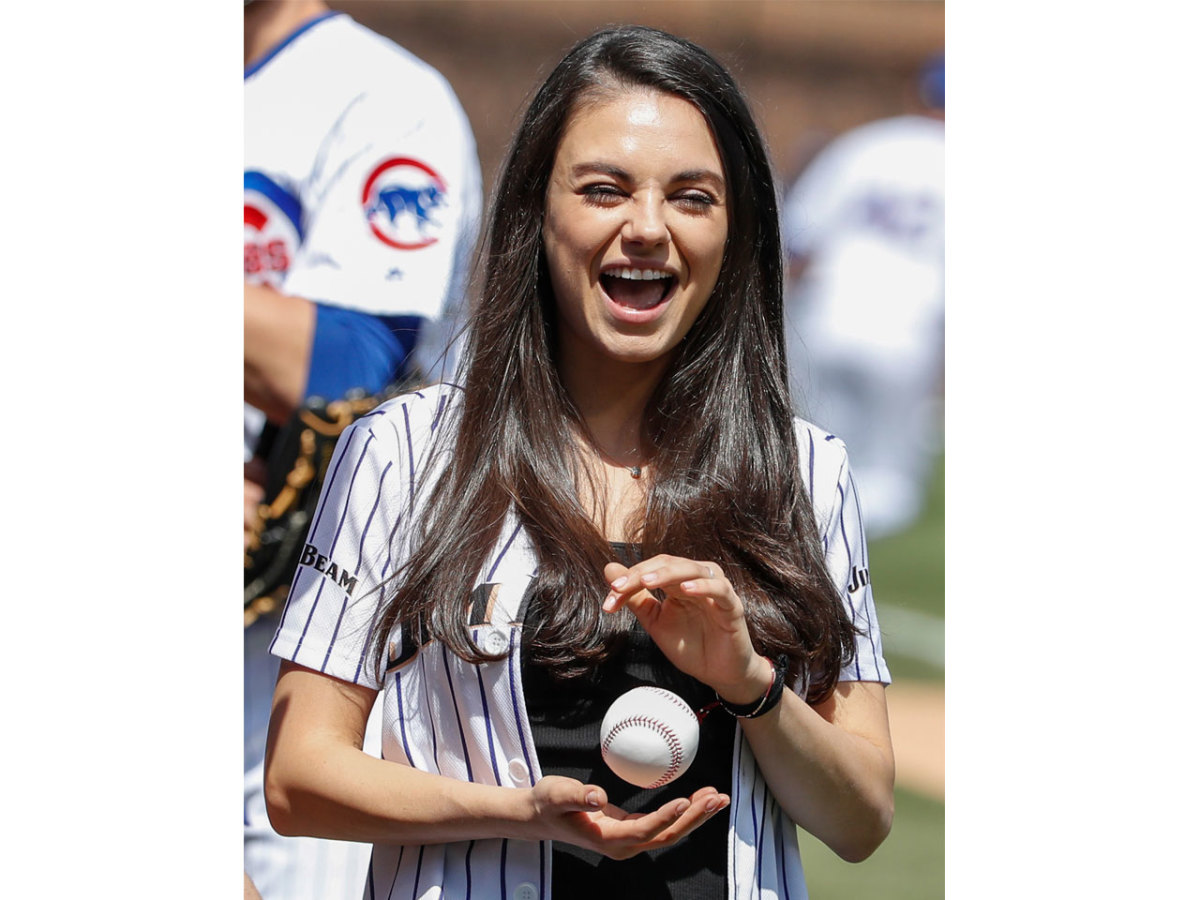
[639,274]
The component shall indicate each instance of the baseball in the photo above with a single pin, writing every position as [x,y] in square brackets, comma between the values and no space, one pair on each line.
[649,736]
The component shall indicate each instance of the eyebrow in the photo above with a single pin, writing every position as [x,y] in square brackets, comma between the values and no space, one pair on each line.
[688,175]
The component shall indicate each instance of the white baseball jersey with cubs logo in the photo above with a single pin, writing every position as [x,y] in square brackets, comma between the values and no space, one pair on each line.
[362,190]
[469,722]
[362,184]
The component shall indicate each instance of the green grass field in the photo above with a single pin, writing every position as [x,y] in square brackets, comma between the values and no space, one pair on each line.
[908,583]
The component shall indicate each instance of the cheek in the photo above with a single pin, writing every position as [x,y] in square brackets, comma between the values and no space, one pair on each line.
[709,253]
[565,288]
[567,280]
[557,261]
[562,245]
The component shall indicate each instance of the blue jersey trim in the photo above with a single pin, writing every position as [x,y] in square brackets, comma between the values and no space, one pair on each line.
[274,51]
[287,204]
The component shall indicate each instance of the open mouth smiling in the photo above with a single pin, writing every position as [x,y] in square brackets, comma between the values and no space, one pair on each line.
[637,288]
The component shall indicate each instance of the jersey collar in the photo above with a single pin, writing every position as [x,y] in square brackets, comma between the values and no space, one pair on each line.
[274,51]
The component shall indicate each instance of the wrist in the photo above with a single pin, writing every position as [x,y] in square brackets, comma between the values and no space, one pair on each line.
[767,700]
[750,689]
[525,815]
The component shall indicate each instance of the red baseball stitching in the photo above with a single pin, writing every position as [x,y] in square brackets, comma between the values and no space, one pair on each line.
[668,735]
[675,699]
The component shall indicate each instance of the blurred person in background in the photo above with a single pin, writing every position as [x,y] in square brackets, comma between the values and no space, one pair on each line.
[362,203]
[864,229]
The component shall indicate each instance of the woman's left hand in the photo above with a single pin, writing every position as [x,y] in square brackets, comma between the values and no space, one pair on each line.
[700,625]
[831,767]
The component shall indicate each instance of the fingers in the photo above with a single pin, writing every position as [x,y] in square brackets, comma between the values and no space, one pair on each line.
[580,813]
[673,821]
[613,571]
[701,806]
[705,804]
[679,577]
[254,495]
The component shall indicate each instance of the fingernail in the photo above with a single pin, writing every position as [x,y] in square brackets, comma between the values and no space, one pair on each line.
[650,578]
[688,585]
[609,602]
[593,799]
[713,804]
[620,582]
[681,808]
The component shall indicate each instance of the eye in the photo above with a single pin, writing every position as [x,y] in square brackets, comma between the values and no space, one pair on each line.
[695,200]
[601,194]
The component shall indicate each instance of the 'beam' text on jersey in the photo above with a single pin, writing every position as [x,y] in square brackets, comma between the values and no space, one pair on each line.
[340,577]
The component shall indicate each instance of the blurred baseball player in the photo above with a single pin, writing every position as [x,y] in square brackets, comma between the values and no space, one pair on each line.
[864,229]
[362,201]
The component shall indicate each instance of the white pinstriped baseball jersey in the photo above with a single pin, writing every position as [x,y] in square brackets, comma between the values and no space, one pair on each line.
[443,715]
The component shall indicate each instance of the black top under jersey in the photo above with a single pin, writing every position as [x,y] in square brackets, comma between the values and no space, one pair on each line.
[565,721]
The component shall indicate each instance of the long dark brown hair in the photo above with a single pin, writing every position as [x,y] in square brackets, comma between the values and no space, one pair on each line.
[725,485]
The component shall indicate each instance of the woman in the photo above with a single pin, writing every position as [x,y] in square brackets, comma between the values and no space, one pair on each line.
[617,495]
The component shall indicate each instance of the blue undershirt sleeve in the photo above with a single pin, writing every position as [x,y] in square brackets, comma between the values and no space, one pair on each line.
[353,349]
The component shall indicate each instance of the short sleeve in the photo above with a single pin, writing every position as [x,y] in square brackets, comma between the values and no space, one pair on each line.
[840,523]
[350,556]
[397,206]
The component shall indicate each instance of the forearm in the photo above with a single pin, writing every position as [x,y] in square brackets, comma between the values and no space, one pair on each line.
[342,793]
[318,781]
[834,783]
[278,336]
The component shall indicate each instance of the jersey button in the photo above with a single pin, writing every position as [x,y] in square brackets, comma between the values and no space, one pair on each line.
[495,642]
[525,891]
[519,771]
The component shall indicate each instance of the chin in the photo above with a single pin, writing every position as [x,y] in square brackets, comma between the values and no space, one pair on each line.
[641,352]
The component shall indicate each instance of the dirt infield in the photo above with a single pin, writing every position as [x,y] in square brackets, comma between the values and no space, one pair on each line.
[917,712]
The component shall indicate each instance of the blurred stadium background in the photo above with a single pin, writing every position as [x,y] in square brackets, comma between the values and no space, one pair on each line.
[812,69]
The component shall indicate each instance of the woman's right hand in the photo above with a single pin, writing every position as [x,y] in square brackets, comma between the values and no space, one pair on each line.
[564,809]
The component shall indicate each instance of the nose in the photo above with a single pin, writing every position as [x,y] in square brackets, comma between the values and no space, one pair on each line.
[645,223]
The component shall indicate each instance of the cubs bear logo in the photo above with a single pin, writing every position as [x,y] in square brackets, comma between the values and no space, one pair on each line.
[401,199]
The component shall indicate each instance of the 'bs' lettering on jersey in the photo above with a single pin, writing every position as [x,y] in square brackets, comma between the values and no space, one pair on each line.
[273,229]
